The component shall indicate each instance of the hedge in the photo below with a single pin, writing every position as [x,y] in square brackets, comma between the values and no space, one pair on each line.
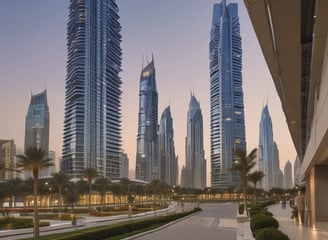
[270,233]
[16,223]
[263,222]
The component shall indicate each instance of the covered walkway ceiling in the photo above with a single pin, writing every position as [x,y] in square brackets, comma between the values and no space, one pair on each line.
[290,33]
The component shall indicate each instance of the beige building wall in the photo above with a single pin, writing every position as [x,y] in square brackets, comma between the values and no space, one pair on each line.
[314,167]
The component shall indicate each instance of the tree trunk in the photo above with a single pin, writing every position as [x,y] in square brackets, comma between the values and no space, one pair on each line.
[90,189]
[59,199]
[36,213]
[245,196]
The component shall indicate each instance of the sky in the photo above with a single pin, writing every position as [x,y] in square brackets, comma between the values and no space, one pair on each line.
[33,57]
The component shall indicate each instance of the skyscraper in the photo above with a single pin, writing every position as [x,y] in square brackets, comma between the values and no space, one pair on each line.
[288,180]
[124,165]
[147,147]
[37,122]
[92,125]
[37,126]
[7,159]
[195,169]
[266,149]
[276,172]
[168,162]
[227,124]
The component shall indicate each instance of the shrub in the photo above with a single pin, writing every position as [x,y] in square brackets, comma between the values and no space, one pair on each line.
[254,213]
[66,216]
[270,233]
[263,222]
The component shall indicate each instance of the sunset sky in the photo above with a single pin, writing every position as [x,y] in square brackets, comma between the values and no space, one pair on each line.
[33,57]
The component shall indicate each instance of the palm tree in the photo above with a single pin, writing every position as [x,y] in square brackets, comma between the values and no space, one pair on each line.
[14,187]
[61,180]
[34,160]
[242,165]
[71,197]
[154,185]
[255,177]
[102,185]
[125,183]
[90,173]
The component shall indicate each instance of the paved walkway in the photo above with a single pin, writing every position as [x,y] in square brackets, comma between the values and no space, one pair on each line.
[295,231]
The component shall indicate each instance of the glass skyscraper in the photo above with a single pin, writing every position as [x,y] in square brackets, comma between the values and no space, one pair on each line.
[266,150]
[194,173]
[168,162]
[92,125]
[147,139]
[37,122]
[227,124]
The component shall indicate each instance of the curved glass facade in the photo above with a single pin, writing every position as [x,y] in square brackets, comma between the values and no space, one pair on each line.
[266,150]
[195,169]
[227,105]
[168,167]
[37,122]
[147,148]
[92,125]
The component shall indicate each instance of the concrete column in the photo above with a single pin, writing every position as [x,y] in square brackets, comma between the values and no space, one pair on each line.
[321,193]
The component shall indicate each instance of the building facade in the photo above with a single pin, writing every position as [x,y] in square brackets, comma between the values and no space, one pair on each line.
[124,165]
[288,178]
[195,169]
[168,161]
[266,149]
[227,124]
[276,173]
[92,124]
[7,159]
[147,147]
[37,122]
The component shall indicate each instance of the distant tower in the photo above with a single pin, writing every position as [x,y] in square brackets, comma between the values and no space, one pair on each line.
[227,127]
[168,161]
[147,148]
[288,180]
[37,126]
[195,170]
[92,124]
[266,149]
[124,165]
[7,159]
[276,167]
[297,168]
[37,122]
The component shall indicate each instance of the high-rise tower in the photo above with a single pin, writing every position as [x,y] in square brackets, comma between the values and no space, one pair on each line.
[227,104]
[37,126]
[195,169]
[92,125]
[37,122]
[147,147]
[266,149]
[288,179]
[168,162]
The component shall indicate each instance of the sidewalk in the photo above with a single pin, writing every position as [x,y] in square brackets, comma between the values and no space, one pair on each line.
[293,229]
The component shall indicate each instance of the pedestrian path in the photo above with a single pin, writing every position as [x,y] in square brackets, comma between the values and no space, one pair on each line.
[294,230]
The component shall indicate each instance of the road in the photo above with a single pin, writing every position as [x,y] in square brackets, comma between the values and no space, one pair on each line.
[216,221]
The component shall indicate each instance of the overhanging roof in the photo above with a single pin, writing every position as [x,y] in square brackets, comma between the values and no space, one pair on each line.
[277,25]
